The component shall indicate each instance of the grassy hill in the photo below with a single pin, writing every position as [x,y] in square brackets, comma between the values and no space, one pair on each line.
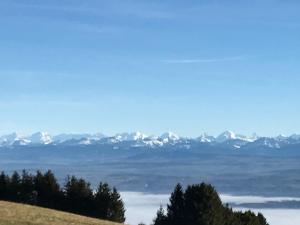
[20,214]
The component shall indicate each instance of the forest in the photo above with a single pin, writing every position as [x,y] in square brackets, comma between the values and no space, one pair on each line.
[199,204]
[76,196]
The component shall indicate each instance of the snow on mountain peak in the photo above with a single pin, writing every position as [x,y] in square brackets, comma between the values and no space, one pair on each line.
[206,138]
[169,136]
[130,136]
[138,139]
[138,136]
[225,136]
[13,138]
[41,138]
[229,135]
[281,137]
[73,136]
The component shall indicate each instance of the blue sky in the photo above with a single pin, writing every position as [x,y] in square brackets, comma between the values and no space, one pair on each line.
[154,66]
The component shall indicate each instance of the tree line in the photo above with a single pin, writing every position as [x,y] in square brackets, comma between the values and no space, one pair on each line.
[201,205]
[76,196]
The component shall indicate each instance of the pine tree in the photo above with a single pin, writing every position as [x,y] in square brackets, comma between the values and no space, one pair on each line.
[27,191]
[14,187]
[108,204]
[48,190]
[78,195]
[261,219]
[116,208]
[102,201]
[202,205]
[4,186]
[175,211]
[161,218]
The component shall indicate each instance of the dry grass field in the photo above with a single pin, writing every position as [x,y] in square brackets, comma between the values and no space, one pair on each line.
[19,214]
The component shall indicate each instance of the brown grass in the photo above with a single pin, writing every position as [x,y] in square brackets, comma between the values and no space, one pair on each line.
[20,214]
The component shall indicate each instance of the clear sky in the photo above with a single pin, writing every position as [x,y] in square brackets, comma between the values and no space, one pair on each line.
[153,66]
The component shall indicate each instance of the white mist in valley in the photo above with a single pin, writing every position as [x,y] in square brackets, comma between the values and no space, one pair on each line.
[142,207]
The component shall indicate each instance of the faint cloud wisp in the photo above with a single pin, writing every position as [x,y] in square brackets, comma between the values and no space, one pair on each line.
[210,60]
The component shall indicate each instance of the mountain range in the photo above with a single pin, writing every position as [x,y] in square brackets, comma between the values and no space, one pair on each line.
[227,139]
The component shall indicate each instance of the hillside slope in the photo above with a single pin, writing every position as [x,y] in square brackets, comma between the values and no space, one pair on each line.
[20,214]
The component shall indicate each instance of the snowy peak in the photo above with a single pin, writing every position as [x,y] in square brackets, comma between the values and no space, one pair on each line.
[169,136]
[226,139]
[13,139]
[130,136]
[205,138]
[229,135]
[143,139]
[138,136]
[225,136]
[41,138]
[61,138]
[66,137]
[281,137]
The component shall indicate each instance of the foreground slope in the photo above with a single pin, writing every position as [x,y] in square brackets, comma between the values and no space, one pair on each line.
[20,214]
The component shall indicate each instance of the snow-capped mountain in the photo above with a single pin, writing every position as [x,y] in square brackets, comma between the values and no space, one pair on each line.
[227,139]
[169,137]
[130,136]
[74,139]
[267,142]
[205,138]
[229,135]
[153,141]
[14,139]
[40,138]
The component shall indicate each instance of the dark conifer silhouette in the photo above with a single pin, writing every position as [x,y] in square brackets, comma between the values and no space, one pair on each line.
[76,196]
[14,187]
[200,205]
[109,204]
[117,210]
[79,195]
[49,194]
[4,186]
[197,205]
[161,218]
[102,198]
[176,206]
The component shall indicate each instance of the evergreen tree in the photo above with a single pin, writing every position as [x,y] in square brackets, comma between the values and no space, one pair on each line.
[261,219]
[79,195]
[229,217]
[161,218]
[108,204]
[202,205]
[175,211]
[116,208]
[48,190]
[14,187]
[27,191]
[4,186]
[102,201]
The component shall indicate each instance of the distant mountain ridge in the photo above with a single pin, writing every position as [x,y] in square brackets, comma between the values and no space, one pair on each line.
[227,139]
